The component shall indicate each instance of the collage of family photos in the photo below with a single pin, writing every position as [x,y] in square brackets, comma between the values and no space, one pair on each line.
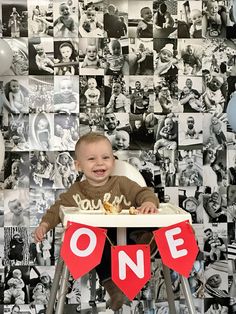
[155,77]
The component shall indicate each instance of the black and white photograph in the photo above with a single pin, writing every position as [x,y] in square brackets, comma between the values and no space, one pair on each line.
[66,56]
[40,18]
[165,19]
[166,95]
[16,208]
[41,56]
[91,58]
[190,131]
[115,18]
[14,18]
[115,56]
[91,22]
[164,58]
[20,56]
[190,19]
[65,18]
[190,168]
[41,98]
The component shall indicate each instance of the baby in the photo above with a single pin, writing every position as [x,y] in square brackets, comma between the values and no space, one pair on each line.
[91,59]
[118,102]
[89,21]
[66,51]
[39,294]
[121,140]
[16,98]
[165,63]
[92,94]
[165,100]
[216,129]
[66,26]
[191,132]
[168,134]
[194,102]
[42,61]
[145,26]
[213,18]
[16,284]
[65,168]
[213,97]
[215,251]
[196,28]
[115,60]
[66,100]
[17,211]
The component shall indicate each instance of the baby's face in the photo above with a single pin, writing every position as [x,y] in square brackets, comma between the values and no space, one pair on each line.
[190,206]
[40,51]
[169,124]
[15,207]
[186,90]
[232,194]
[197,18]
[122,140]
[215,236]
[137,124]
[92,84]
[147,15]
[66,87]
[214,120]
[64,10]
[91,53]
[15,168]
[189,163]
[165,55]
[91,15]
[66,52]
[15,87]
[16,273]
[42,124]
[116,49]
[64,159]
[116,88]
[213,8]
[190,123]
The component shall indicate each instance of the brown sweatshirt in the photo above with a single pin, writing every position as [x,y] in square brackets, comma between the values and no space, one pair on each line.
[117,190]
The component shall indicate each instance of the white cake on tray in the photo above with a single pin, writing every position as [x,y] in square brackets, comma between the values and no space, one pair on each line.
[168,215]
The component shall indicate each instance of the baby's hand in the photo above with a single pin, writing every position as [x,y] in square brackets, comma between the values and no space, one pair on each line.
[147,208]
[40,232]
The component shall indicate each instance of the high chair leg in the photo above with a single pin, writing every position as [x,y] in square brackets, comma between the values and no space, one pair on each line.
[188,295]
[169,290]
[55,286]
[63,290]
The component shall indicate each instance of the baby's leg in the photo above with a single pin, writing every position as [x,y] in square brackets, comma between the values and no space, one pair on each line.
[19,297]
[160,143]
[49,62]
[218,254]
[7,296]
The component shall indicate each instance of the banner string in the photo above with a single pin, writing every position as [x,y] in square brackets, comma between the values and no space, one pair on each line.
[112,244]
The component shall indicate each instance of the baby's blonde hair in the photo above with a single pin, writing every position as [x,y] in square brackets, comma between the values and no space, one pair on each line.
[88,138]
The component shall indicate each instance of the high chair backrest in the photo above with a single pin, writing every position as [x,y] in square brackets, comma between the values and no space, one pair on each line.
[123,168]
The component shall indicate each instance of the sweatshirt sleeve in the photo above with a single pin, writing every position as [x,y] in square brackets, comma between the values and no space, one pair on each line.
[138,194]
[51,217]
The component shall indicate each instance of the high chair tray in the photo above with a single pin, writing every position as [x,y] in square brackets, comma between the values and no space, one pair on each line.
[168,215]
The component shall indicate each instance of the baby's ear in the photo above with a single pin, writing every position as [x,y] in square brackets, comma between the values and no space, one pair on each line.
[77,165]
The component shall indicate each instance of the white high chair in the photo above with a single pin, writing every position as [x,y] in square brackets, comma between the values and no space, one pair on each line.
[169,214]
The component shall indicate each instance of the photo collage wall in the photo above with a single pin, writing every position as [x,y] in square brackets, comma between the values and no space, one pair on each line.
[155,77]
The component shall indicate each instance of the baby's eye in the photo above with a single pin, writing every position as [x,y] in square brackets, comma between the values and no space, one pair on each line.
[91,158]
[106,157]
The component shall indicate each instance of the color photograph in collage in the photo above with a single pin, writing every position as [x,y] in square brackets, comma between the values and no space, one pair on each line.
[155,78]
